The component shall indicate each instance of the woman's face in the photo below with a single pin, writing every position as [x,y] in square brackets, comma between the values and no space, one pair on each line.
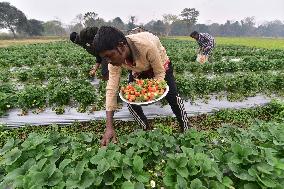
[116,56]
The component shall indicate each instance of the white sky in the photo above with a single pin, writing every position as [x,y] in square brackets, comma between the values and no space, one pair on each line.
[145,10]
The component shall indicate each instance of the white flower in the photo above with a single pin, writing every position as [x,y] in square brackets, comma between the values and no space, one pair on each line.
[153,184]
[89,149]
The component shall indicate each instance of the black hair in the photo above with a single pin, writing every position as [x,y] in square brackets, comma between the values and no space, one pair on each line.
[87,35]
[108,38]
[194,33]
[73,36]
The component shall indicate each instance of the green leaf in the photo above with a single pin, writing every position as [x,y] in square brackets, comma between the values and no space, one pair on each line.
[169,180]
[196,184]
[227,182]
[99,156]
[268,182]
[182,161]
[109,178]
[64,163]
[139,185]
[87,179]
[41,163]
[251,186]
[264,168]
[142,177]
[55,178]
[97,180]
[138,164]
[181,183]
[280,165]
[60,185]
[240,173]
[127,185]
[172,163]
[127,161]
[169,171]
[86,137]
[49,169]
[127,173]
[103,166]
[183,171]
[216,185]
[8,146]
[12,156]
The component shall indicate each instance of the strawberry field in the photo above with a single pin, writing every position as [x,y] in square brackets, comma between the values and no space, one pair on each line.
[230,148]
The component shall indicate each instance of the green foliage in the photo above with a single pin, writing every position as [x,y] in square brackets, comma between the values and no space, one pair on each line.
[240,158]
[259,71]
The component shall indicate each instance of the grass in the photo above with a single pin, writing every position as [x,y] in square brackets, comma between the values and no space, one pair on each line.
[269,43]
[14,42]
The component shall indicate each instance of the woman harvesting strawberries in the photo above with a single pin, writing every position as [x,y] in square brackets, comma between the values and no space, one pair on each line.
[145,57]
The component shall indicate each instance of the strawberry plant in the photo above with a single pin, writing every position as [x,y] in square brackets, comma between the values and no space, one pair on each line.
[32,96]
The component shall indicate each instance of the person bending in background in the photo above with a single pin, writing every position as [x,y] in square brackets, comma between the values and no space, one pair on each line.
[144,55]
[205,41]
[85,39]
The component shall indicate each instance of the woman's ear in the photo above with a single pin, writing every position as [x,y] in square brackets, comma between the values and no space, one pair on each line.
[121,47]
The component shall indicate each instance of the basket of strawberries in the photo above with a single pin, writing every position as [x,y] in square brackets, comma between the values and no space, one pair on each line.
[144,92]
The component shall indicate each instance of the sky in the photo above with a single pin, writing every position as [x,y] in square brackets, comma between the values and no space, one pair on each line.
[211,11]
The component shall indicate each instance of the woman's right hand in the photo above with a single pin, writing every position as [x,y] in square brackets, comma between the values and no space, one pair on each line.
[109,136]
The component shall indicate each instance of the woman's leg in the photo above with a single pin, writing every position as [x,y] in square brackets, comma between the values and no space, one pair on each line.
[175,101]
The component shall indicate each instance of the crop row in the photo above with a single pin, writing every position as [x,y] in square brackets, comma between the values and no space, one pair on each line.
[242,84]
[238,158]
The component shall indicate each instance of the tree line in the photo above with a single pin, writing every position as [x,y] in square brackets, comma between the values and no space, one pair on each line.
[183,24]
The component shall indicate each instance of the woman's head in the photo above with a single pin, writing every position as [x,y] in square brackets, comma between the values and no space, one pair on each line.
[111,43]
[73,36]
[194,35]
[87,35]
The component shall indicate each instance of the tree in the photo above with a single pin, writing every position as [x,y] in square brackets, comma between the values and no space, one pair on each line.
[168,19]
[201,28]
[90,19]
[79,19]
[131,23]
[100,22]
[54,27]
[75,28]
[248,24]
[35,27]
[214,29]
[118,23]
[274,28]
[159,27]
[179,27]
[149,25]
[189,15]
[12,18]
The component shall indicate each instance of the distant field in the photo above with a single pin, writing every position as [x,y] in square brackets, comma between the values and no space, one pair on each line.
[11,42]
[270,43]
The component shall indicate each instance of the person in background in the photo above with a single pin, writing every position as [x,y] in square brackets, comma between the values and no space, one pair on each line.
[136,30]
[145,56]
[205,41]
[85,39]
